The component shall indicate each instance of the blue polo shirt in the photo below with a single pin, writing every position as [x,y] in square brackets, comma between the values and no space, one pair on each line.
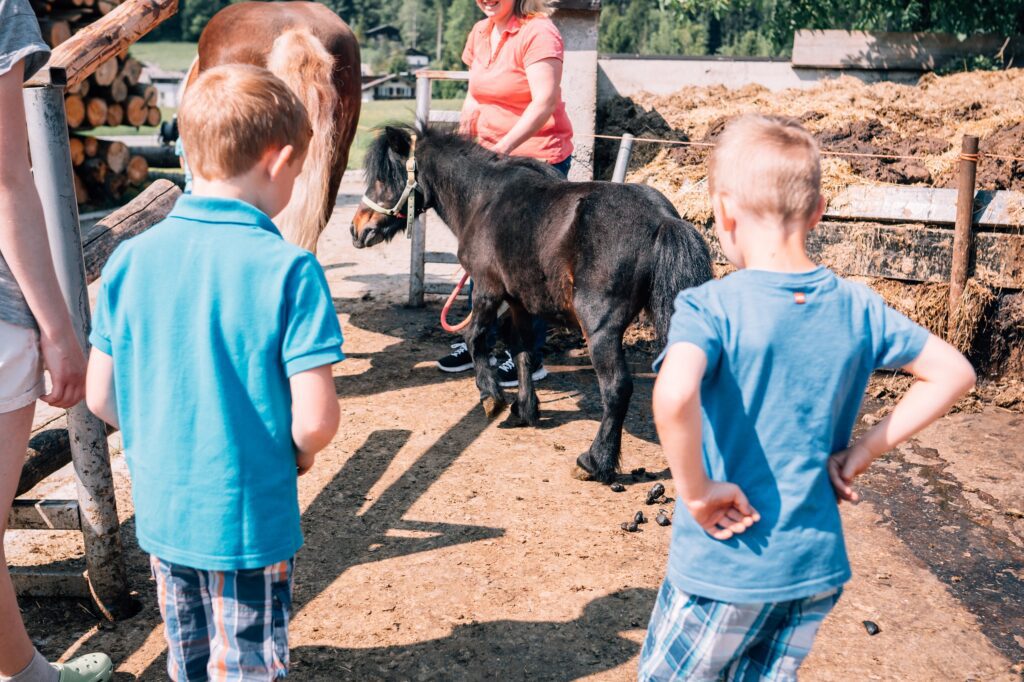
[788,358]
[206,316]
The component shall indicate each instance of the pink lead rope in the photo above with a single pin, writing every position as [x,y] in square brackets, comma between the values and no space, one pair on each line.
[448,304]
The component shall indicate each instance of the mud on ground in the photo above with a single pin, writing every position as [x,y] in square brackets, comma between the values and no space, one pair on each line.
[442,547]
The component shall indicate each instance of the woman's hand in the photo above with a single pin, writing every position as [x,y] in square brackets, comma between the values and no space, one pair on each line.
[63,358]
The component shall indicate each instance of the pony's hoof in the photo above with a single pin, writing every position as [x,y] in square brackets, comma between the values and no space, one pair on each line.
[513,421]
[581,474]
[492,406]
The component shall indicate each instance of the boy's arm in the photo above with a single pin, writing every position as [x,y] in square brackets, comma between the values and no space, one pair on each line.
[99,387]
[943,377]
[720,508]
[315,414]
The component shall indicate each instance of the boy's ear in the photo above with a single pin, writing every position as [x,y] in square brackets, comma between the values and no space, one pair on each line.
[723,210]
[818,213]
[279,158]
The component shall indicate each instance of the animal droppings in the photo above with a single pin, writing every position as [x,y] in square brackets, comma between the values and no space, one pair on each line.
[872,627]
[662,520]
[617,488]
[654,493]
[639,517]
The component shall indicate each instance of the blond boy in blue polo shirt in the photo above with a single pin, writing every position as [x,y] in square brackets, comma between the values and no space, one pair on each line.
[213,342]
[758,389]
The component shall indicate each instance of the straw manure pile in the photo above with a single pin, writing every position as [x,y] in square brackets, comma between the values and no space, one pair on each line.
[926,121]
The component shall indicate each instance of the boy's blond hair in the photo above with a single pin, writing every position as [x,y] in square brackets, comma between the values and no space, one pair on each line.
[769,165]
[231,115]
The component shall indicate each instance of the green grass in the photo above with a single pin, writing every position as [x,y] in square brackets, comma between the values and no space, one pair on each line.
[378,113]
[169,56]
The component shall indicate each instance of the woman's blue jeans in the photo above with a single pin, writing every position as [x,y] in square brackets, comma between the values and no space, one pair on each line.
[540,327]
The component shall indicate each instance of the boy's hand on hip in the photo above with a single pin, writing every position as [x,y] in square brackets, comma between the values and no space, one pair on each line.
[723,510]
[305,461]
[846,465]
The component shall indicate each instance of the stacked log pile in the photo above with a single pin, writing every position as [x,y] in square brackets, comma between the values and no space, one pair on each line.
[112,96]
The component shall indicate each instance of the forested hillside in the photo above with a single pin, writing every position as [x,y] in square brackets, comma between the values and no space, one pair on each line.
[730,27]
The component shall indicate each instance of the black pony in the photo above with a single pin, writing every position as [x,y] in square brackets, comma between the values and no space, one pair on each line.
[587,254]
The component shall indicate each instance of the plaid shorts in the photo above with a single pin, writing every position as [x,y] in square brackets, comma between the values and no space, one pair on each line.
[696,638]
[225,625]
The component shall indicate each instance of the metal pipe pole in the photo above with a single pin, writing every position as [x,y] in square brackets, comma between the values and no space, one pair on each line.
[51,167]
[964,222]
[622,160]
[417,261]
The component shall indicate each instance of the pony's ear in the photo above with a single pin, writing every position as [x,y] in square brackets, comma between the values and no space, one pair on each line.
[398,140]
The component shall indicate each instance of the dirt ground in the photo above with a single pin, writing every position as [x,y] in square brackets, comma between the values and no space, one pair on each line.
[440,546]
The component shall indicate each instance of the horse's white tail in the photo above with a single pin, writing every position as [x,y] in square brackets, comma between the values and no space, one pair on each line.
[302,62]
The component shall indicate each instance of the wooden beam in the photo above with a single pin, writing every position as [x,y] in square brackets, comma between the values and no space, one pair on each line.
[104,39]
[440,257]
[48,451]
[925,205]
[894,51]
[908,252]
[577,5]
[436,75]
[44,515]
[140,214]
[441,288]
[30,581]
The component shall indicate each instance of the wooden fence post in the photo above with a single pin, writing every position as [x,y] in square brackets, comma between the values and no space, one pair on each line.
[964,222]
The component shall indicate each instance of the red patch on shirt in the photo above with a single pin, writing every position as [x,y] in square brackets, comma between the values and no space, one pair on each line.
[799,297]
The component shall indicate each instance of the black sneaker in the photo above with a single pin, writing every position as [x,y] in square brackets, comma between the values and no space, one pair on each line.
[508,376]
[459,360]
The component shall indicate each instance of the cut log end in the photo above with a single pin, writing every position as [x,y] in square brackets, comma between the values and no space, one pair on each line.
[138,170]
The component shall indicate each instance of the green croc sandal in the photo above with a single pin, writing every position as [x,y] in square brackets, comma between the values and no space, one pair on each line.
[87,668]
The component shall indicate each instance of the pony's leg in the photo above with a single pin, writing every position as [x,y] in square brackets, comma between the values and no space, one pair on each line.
[525,411]
[485,311]
[605,341]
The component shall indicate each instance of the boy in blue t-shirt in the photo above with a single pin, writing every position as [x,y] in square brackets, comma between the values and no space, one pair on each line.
[758,390]
[213,342]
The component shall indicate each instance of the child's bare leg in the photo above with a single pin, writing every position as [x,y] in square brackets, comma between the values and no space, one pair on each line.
[16,648]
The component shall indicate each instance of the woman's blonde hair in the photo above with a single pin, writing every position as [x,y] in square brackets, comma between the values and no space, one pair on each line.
[527,8]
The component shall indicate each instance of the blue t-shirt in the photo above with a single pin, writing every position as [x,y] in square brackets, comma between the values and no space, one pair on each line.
[788,359]
[206,316]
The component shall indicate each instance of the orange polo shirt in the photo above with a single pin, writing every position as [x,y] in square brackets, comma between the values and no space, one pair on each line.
[501,90]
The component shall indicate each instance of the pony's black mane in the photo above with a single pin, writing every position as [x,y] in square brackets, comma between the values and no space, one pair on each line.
[383,162]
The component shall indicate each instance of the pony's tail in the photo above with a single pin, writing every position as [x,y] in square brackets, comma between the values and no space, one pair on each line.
[681,260]
[302,62]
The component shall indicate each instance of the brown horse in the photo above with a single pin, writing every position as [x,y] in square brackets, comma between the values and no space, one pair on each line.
[311,49]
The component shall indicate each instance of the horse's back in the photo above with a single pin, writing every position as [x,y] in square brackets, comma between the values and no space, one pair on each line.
[245,32]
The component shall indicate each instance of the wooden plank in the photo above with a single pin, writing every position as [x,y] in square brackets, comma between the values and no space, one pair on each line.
[147,209]
[442,288]
[906,51]
[925,205]
[48,451]
[437,75]
[577,5]
[907,252]
[44,515]
[444,116]
[441,257]
[102,40]
[30,581]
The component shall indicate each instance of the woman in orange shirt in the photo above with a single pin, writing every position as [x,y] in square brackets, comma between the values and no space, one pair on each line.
[515,107]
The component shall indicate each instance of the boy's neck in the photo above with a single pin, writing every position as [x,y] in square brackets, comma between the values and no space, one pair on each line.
[239,188]
[771,247]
